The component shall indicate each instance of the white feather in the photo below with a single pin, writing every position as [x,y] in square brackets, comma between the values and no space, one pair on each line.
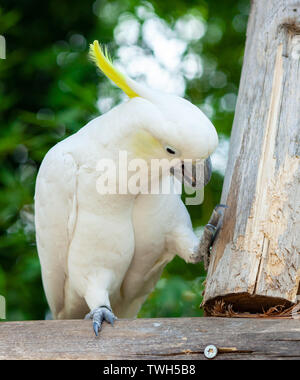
[110,249]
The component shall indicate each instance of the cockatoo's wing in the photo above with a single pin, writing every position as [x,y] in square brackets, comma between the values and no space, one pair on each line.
[55,218]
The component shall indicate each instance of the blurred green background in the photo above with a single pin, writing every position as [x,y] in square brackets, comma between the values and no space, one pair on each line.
[49,89]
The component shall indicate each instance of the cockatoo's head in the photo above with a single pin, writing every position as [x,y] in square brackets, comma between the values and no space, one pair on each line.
[184,133]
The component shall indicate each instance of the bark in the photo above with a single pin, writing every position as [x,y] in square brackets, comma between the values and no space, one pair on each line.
[255,258]
[166,338]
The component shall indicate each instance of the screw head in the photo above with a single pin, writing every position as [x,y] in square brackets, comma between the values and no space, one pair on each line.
[210,351]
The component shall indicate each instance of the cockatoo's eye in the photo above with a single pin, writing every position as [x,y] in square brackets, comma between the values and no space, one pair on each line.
[170,150]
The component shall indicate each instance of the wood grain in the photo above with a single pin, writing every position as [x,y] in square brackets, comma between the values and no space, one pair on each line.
[168,338]
[255,261]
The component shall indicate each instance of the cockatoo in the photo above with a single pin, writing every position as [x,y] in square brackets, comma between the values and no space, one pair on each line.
[101,254]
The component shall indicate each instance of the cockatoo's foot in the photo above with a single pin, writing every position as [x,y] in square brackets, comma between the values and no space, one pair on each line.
[209,234]
[100,314]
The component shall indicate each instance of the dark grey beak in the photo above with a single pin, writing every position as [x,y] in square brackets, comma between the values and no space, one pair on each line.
[207,171]
[195,175]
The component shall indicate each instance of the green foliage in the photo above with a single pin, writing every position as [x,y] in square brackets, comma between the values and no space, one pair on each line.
[49,89]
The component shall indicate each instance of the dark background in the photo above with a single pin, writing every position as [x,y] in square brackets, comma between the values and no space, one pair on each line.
[49,89]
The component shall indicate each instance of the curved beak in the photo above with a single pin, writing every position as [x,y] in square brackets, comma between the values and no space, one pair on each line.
[207,171]
[196,175]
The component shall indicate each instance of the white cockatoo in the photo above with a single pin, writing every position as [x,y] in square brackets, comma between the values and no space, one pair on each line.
[102,254]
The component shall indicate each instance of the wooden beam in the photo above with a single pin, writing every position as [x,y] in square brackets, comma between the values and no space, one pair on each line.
[255,261]
[168,338]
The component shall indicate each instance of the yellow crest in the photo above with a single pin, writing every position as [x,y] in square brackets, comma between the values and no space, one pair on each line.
[101,58]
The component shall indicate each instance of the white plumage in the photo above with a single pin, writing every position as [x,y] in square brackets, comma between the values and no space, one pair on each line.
[109,250]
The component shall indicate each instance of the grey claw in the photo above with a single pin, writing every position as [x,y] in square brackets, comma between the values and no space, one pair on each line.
[211,227]
[109,317]
[96,327]
[210,233]
[221,205]
[99,315]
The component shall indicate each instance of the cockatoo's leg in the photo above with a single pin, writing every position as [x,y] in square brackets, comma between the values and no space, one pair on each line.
[100,314]
[209,234]
[97,298]
[188,246]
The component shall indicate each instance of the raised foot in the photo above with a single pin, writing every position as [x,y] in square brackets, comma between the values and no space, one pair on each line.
[209,234]
[100,314]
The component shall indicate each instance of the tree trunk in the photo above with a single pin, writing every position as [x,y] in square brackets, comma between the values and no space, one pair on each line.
[255,258]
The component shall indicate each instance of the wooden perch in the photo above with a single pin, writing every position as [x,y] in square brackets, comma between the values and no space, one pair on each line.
[167,338]
[255,261]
